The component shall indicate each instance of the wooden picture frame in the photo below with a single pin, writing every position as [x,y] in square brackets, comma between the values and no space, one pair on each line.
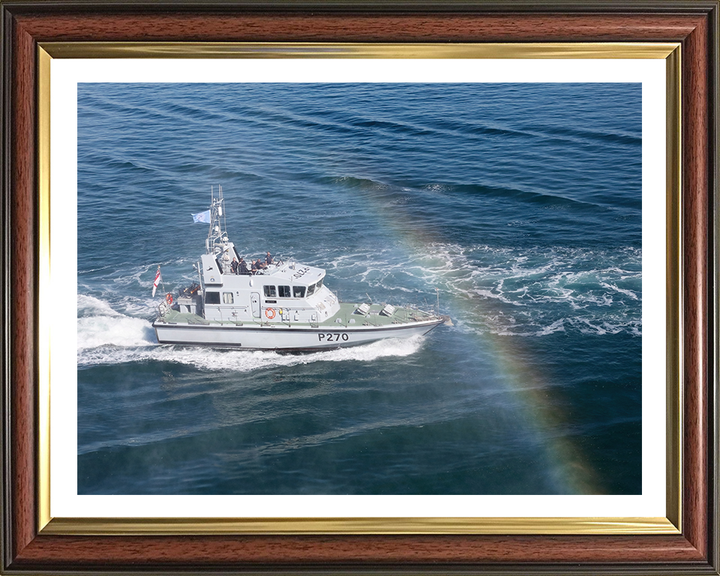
[28,547]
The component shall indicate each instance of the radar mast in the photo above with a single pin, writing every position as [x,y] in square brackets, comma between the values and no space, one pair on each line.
[217,236]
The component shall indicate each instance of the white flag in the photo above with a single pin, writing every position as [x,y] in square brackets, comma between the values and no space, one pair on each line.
[158,279]
[203,217]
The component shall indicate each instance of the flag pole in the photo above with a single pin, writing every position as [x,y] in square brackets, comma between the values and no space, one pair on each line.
[158,276]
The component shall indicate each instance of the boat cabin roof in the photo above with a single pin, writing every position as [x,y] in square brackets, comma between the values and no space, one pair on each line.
[293,273]
[216,269]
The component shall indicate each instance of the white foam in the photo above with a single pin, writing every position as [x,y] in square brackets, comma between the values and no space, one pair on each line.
[582,295]
[590,326]
[140,307]
[88,305]
[557,326]
[130,342]
[114,330]
[620,290]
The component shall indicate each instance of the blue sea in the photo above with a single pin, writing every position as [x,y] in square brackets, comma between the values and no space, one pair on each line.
[516,207]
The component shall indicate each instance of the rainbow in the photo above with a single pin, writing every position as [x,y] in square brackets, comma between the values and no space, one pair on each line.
[538,407]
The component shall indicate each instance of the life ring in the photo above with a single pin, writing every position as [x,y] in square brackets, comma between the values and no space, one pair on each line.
[270,313]
[169,299]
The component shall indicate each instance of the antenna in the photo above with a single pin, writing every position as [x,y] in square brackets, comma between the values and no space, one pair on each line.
[212,212]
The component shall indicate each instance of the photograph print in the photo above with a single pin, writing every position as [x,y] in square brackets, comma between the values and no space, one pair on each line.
[359,288]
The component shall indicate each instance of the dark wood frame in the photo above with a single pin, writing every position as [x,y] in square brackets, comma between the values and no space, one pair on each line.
[693,23]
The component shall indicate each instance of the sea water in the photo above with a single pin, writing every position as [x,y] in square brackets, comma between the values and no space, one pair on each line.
[517,207]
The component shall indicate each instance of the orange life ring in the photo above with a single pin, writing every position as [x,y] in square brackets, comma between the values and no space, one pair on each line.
[270,313]
[169,299]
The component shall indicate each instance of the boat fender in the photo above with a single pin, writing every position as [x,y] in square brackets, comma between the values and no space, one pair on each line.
[169,299]
[270,313]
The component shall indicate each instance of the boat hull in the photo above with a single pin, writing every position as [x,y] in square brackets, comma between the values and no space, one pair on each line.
[286,338]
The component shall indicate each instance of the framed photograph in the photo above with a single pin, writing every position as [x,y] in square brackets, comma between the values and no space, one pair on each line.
[360,288]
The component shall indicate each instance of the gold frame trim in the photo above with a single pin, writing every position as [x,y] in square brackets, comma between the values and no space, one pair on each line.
[674,292]
[306,526]
[561,50]
[357,526]
[44,304]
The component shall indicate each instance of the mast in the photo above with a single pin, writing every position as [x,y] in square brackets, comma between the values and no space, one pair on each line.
[217,237]
[217,241]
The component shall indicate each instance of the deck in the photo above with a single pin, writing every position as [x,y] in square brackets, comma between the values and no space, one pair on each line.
[345,318]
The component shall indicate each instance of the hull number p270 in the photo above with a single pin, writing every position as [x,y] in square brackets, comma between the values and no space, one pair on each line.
[330,337]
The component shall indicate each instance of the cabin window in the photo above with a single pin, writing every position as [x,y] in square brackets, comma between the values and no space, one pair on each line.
[298,291]
[311,289]
[284,291]
[318,285]
[228,298]
[212,297]
[270,291]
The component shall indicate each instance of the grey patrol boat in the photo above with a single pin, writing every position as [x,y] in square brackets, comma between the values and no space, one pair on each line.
[284,306]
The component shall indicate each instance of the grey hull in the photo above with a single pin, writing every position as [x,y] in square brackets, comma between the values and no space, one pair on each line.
[287,338]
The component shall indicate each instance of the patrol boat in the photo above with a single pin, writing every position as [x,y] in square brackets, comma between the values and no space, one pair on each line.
[284,306]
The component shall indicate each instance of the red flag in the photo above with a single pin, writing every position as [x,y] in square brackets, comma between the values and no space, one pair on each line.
[158,279]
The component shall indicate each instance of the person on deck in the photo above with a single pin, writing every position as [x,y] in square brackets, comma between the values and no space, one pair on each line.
[242,267]
[234,266]
[268,259]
